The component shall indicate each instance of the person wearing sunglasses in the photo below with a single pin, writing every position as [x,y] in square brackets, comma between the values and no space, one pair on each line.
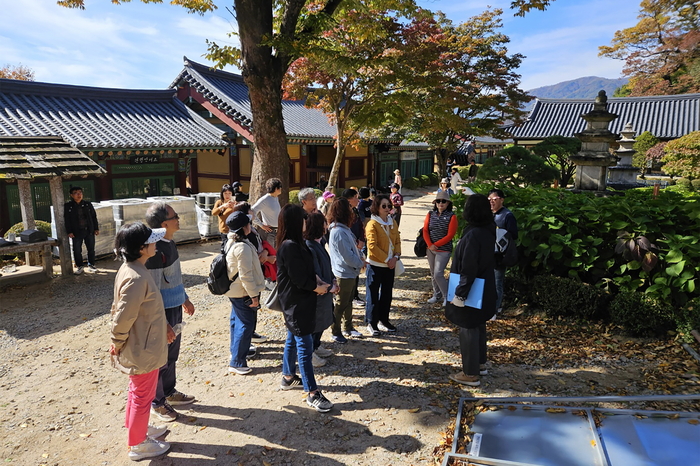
[383,251]
[439,227]
[167,274]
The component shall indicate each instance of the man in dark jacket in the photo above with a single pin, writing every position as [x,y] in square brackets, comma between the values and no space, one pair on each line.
[505,219]
[81,226]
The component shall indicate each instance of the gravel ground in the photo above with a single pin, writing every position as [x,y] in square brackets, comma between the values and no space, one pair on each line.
[63,404]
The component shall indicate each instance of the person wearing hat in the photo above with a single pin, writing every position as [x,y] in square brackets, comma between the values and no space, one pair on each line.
[244,292]
[397,202]
[325,202]
[445,186]
[439,227]
[140,335]
[397,179]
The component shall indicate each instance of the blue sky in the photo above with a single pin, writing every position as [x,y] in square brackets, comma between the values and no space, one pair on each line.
[140,46]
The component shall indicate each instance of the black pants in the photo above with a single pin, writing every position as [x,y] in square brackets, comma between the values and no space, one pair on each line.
[380,289]
[472,345]
[166,374]
[89,238]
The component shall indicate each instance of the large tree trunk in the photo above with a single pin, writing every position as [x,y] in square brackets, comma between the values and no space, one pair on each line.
[339,154]
[262,72]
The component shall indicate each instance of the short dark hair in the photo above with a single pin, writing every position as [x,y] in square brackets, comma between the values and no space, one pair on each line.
[290,224]
[364,192]
[74,189]
[341,212]
[156,214]
[498,193]
[349,193]
[273,184]
[315,224]
[374,208]
[224,188]
[243,207]
[477,210]
[129,240]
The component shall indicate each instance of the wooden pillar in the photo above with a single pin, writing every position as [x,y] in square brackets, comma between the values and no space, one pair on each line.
[25,203]
[56,186]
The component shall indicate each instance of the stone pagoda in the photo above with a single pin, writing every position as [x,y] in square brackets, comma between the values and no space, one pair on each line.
[593,160]
[624,174]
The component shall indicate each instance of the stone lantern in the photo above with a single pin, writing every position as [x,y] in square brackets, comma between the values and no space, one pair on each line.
[593,160]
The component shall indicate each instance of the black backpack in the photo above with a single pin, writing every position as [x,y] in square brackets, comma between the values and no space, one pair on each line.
[218,281]
[421,247]
[505,249]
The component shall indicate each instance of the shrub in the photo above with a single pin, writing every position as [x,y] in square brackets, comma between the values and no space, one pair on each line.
[695,184]
[294,197]
[434,178]
[18,228]
[687,319]
[684,183]
[560,296]
[425,180]
[519,166]
[410,183]
[641,314]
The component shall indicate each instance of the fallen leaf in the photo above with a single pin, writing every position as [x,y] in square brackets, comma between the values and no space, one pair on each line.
[414,410]
[593,444]
[555,410]
[693,422]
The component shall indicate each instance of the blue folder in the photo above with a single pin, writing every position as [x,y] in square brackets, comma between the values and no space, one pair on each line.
[476,293]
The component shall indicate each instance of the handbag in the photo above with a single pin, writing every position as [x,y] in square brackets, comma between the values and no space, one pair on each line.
[273,300]
[420,249]
[399,269]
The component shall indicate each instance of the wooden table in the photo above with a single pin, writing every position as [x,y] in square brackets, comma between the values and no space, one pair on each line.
[43,247]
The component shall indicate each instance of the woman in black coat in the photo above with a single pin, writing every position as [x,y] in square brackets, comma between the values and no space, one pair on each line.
[474,257]
[297,287]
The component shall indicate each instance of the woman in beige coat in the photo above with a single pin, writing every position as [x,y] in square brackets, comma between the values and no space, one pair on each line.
[140,335]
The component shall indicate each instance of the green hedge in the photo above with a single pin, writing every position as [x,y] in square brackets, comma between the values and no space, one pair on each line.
[561,296]
[18,228]
[294,195]
[641,314]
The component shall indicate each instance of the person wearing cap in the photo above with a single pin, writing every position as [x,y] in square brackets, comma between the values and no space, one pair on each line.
[439,227]
[167,275]
[397,202]
[140,335]
[325,202]
[445,186]
[268,206]
[244,292]
[238,193]
[363,207]
[223,207]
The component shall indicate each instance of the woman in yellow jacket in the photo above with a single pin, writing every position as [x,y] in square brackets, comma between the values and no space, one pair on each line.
[383,251]
[140,334]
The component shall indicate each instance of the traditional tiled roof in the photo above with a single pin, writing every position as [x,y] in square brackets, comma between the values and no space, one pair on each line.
[41,157]
[92,117]
[666,117]
[229,93]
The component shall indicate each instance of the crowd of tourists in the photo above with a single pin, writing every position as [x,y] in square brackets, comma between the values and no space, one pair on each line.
[310,257]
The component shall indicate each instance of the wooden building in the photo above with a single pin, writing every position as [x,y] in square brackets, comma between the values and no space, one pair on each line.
[146,140]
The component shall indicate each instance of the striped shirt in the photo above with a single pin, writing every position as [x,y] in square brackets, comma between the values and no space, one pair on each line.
[166,272]
[439,229]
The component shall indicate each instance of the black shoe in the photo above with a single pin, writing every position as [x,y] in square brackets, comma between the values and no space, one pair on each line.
[288,384]
[389,328]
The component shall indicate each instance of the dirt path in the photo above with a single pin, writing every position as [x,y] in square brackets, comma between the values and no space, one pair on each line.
[64,405]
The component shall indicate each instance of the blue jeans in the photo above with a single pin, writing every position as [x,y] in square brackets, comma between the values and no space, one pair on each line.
[500,275]
[243,318]
[303,348]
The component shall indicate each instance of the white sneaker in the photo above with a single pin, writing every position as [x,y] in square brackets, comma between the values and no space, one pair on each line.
[79,270]
[149,448]
[156,431]
[323,352]
[92,268]
[317,361]
[433,300]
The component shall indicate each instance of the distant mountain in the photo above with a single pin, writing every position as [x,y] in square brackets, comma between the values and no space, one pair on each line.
[581,88]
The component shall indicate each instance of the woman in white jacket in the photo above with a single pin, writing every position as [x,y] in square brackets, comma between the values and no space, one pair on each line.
[243,265]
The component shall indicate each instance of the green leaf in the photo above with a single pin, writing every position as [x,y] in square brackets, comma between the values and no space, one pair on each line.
[675,269]
[619,225]
[673,256]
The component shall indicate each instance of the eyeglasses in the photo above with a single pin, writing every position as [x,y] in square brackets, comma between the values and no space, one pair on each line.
[174,217]
[385,206]
[492,199]
[441,201]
